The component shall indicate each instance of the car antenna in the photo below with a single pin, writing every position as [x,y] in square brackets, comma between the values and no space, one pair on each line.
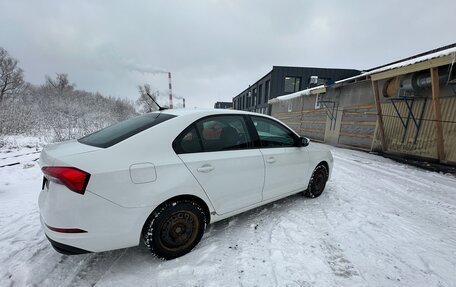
[160,108]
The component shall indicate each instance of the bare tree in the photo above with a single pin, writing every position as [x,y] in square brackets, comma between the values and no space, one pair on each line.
[60,84]
[145,102]
[11,76]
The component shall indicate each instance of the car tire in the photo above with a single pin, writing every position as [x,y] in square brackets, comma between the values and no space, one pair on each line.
[174,229]
[317,182]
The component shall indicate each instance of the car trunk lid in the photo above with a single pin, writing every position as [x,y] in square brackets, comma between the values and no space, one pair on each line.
[54,154]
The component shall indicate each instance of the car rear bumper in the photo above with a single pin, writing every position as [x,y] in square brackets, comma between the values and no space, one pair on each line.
[104,224]
[66,249]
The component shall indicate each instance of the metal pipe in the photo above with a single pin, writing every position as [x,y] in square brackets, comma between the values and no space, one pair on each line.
[418,81]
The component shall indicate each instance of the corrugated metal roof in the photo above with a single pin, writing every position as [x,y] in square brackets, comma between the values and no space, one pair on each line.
[437,53]
[408,62]
[415,56]
[416,60]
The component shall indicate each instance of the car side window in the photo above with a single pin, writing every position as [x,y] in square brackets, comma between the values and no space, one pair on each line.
[188,142]
[272,134]
[226,132]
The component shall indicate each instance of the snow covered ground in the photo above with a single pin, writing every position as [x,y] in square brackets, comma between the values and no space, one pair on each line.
[379,223]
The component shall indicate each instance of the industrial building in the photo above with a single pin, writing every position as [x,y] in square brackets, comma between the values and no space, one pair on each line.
[285,80]
[405,108]
[223,105]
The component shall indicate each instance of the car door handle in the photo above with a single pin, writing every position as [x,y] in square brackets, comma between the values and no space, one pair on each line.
[271,159]
[206,168]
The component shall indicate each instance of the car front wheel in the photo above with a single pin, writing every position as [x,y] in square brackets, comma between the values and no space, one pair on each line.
[175,229]
[317,182]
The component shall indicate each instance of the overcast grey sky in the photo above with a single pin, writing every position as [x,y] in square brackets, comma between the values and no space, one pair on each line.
[214,49]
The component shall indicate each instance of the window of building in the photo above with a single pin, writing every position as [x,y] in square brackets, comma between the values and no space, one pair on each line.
[292,84]
[267,91]
[318,99]
[260,94]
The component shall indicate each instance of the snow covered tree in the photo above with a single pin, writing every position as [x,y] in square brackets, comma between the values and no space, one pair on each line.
[146,104]
[55,109]
[11,76]
[60,84]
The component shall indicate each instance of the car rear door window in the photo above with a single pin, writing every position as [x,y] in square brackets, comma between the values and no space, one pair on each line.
[219,133]
[188,141]
[118,132]
[214,133]
[273,134]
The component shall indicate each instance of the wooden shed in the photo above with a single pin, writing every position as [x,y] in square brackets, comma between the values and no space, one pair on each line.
[407,107]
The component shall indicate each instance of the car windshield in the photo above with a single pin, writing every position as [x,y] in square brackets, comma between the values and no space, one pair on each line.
[120,131]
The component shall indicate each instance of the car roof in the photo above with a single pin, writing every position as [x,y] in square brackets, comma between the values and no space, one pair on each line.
[199,113]
[206,112]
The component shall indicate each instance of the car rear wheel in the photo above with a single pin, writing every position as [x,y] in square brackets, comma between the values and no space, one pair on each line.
[317,182]
[175,229]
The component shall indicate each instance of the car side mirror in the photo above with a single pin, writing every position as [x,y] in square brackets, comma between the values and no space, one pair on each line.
[303,141]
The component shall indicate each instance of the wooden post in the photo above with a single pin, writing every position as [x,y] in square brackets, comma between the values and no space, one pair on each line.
[437,113]
[379,115]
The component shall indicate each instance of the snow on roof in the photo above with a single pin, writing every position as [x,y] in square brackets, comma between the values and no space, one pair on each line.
[305,92]
[430,56]
[352,78]
[423,58]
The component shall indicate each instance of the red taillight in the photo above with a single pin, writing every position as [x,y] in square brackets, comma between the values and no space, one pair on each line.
[73,178]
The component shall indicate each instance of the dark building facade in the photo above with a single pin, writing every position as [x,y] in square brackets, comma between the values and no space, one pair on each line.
[285,80]
[223,105]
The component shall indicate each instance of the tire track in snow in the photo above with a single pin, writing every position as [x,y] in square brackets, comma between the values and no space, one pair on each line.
[19,155]
[399,174]
[410,214]
[320,225]
[95,266]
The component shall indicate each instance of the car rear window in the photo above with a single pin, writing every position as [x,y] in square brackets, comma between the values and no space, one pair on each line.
[118,132]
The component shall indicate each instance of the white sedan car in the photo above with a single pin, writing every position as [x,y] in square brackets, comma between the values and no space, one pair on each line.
[164,176]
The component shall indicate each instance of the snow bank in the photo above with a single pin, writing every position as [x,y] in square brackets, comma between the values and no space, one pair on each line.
[14,142]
